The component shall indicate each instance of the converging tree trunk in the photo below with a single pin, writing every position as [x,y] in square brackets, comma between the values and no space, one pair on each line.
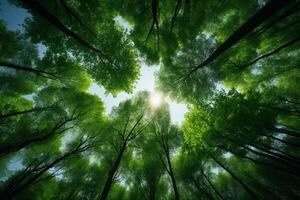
[270,9]
[32,175]
[45,13]
[126,138]
[247,189]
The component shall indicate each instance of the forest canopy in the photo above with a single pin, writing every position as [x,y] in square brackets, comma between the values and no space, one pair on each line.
[235,64]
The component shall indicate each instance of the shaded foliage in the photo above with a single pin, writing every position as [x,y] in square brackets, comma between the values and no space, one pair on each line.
[235,63]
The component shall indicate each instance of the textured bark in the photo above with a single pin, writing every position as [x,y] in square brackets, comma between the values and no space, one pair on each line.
[37,72]
[294,9]
[271,8]
[111,174]
[246,188]
[52,19]
[271,53]
[10,148]
[27,179]
[171,173]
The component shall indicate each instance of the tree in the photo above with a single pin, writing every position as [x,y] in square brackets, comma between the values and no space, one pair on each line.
[234,63]
[168,139]
[128,124]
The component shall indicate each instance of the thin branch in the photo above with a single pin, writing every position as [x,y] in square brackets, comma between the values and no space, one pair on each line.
[176,11]
[155,21]
[274,51]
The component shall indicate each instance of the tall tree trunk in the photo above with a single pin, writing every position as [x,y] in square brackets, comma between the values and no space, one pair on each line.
[201,189]
[112,172]
[171,173]
[10,148]
[284,141]
[271,157]
[152,192]
[271,53]
[284,28]
[286,14]
[246,188]
[45,13]
[9,193]
[282,155]
[286,131]
[37,72]
[270,9]
[212,185]
[270,165]
[266,191]
[21,112]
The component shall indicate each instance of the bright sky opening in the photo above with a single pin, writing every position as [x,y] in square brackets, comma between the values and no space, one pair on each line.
[146,81]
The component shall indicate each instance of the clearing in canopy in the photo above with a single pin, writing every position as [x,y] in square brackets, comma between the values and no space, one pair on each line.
[234,65]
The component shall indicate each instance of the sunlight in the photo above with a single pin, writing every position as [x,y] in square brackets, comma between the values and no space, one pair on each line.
[156,99]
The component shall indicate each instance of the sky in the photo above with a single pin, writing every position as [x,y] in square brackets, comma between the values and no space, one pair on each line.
[14,18]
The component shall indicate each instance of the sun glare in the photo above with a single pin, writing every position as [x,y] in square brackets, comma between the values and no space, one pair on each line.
[156,99]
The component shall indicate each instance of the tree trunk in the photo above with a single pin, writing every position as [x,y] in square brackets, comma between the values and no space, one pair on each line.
[271,53]
[286,131]
[41,73]
[201,189]
[112,172]
[271,8]
[212,185]
[10,148]
[23,183]
[152,191]
[45,13]
[246,188]
[271,157]
[284,141]
[282,169]
[171,173]
[21,112]
[288,13]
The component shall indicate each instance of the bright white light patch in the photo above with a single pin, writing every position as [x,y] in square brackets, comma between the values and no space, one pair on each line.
[156,99]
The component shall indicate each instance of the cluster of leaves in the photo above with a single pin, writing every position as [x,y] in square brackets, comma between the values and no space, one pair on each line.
[239,143]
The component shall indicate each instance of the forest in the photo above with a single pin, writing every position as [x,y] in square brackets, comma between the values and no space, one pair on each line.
[234,64]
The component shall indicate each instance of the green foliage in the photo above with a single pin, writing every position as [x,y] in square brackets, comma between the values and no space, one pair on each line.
[239,140]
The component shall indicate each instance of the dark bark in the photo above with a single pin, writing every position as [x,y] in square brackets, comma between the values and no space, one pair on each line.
[26,181]
[163,140]
[276,152]
[212,185]
[282,110]
[284,28]
[22,112]
[44,74]
[265,190]
[284,141]
[152,189]
[176,11]
[201,189]
[271,8]
[112,172]
[10,148]
[265,153]
[73,14]
[271,53]
[288,132]
[283,16]
[286,165]
[267,164]
[246,188]
[52,19]
[132,134]
[171,173]
[155,21]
